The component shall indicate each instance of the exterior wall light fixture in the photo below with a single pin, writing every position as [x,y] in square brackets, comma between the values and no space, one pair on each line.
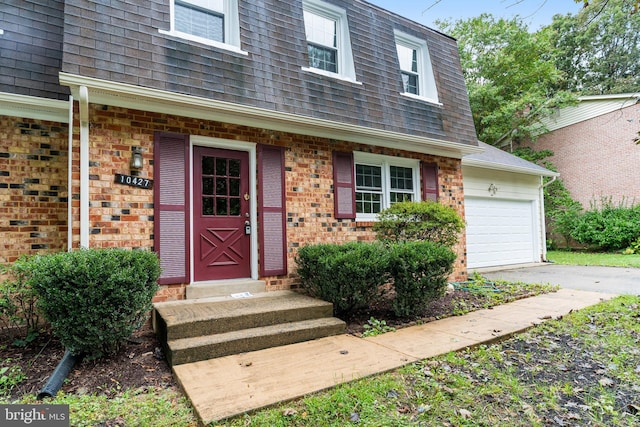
[136,159]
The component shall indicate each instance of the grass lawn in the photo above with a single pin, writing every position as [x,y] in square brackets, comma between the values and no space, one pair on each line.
[591,258]
[583,369]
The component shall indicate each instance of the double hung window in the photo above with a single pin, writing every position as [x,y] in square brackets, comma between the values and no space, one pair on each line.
[210,22]
[382,181]
[416,72]
[328,42]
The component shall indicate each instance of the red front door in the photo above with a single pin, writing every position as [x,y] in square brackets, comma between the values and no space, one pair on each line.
[221,212]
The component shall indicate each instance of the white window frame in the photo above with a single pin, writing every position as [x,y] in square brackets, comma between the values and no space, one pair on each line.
[385,163]
[427,90]
[346,69]
[231,28]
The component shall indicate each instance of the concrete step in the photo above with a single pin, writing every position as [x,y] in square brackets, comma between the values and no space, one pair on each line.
[193,318]
[225,288]
[200,348]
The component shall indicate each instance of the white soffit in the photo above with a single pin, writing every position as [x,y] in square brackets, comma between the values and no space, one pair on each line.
[32,107]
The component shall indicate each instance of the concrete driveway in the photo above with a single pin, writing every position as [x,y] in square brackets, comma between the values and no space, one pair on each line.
[614,280]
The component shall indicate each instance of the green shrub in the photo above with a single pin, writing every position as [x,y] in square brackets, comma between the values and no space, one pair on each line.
[425,220]
[608,227]
[20,319]
[95,298]
[348,275]
[419,270]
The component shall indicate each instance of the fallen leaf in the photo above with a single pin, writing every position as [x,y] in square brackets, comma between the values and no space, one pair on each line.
[606,382]
[633,409]
[354,417]
[464,413]
[289,412]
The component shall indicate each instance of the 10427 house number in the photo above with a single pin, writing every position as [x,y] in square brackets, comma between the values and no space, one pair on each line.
[134,181]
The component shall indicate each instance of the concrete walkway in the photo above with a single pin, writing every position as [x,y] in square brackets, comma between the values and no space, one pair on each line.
[615,280]
[232,385]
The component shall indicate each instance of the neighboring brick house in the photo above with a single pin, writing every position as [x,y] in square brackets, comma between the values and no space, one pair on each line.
[594,148]
[177,125]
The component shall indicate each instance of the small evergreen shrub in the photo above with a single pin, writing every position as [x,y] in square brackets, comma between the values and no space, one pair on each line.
[425,220]
[419,270]
[95,298]
[608,226]
[20,319]
[348,275]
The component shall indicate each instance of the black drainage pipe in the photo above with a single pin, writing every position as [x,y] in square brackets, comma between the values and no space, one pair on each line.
[58,376]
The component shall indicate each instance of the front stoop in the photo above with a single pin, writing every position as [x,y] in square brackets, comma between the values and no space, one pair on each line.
[207,328]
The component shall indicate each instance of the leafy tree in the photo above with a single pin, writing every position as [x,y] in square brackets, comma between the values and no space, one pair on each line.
[510,74]
[598,49]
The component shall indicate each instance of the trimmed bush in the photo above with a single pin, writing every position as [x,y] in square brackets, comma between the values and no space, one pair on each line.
[425,220]
[20,319]
[348,275]
[95,298]
[419,270]
[608,227]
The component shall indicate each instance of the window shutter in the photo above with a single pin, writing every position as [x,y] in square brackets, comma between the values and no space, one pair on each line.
[272,215]
[430,181]
[171,206]
[344,187]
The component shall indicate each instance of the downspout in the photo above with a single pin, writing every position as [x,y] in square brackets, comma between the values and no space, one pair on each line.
[70,180]
[84,167]
[543,227]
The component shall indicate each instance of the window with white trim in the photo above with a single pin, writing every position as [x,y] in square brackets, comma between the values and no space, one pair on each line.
[415,67]
[328,41]
[382,181]
[211,22]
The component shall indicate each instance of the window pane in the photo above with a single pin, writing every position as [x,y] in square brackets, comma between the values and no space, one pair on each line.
[408,58]
[400,197]
[322,58]
[207,186]
[370,203]
[368,177]
[234,187]
[207,206]
[401,178]
[221,167]
[221,206]
[234,207]
[199,21]
[410,83]
[221,186]
[234,167]
[320,30]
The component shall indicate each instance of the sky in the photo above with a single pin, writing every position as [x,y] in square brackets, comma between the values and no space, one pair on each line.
[535,13]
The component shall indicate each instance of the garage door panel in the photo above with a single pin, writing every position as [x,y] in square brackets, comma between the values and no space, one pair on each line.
[499,232]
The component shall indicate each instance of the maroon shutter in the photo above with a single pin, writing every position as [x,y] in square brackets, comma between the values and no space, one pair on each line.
[430,181]
[171,206]
[344,187]
[272,215]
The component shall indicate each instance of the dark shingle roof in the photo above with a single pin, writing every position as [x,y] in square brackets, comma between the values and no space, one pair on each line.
[495,158]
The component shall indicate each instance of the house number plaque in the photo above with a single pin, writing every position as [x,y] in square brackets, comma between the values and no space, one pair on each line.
[134,181]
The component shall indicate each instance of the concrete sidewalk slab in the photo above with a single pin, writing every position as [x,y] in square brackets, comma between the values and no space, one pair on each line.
[232,385]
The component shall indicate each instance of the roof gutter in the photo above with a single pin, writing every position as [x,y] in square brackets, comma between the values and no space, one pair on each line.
[159,101]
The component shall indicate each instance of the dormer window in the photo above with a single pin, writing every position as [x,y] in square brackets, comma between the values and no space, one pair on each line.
[210,22]
[415,68]
[328,42]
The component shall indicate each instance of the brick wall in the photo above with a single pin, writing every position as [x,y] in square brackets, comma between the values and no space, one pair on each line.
[33,187]
[598,158]
[122,216]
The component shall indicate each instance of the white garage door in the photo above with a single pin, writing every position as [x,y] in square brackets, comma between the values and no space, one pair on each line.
[499,232]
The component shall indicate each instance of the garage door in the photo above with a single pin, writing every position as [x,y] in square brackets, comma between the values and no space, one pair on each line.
[499,232]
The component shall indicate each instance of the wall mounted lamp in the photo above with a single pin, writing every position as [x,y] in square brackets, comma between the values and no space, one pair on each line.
[136,159]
